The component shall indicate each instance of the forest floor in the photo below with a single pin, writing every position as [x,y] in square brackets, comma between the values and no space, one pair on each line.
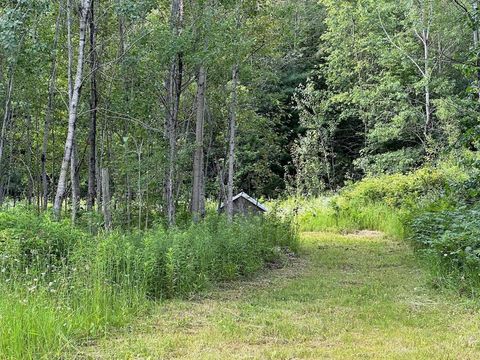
[351,296]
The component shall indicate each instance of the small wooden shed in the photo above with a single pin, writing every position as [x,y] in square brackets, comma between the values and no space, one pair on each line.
[243,204]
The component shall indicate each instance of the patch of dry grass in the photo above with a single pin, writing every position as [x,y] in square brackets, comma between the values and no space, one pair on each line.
[355,296]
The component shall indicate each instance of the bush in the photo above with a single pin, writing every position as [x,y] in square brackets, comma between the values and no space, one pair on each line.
[451,242]
[384,203]
[28,240]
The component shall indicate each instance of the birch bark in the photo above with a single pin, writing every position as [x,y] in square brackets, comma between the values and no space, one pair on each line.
[72,113]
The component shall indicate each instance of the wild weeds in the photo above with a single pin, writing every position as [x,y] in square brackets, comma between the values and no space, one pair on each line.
[434,208]
[61,287]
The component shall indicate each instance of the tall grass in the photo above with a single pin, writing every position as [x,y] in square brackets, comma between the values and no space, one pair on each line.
[369,217]
[385,203]
[61,287]
[435,209]
[450,243]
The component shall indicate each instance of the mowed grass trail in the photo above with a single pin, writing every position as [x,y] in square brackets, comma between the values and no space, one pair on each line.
[355,296]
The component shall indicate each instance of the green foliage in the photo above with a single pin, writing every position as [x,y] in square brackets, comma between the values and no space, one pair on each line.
[60,285]
[180,262]
[450,241]
[435,208]
[33,240]
[382,203]
[402,191]
[364,110]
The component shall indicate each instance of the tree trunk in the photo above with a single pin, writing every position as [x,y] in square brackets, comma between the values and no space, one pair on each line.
[174,88]
[222,195]
[107,215]
[139,184]
[7,114]
[28,162]
[231,151]
[170,178]
[426,58]
[75,181]
[92,137]
[72,114]
[198,182]
[476,40]
[48,114]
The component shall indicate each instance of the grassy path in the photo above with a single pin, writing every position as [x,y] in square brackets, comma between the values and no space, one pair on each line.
[357,296]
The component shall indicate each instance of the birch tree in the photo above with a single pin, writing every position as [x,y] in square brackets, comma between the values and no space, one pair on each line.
[73,108]
[174,90]
[198,163]
[231,142]
[92,136]
[49,110]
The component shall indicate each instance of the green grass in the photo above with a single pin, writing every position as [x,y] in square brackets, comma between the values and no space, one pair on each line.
[361,295]
[61,288]
[385,203]
[367,217]
[43,325]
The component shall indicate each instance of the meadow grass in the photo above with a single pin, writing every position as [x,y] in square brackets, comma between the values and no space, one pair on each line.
[377,217]
[44,325]
[62,288]
[350,296]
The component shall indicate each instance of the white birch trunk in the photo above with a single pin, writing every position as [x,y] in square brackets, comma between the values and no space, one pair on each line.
[198,183]
[231,150]
[6,115]
[72,113]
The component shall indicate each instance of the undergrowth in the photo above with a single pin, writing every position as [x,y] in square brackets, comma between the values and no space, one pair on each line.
[433,208]
[449,240]
[385,203]
[61,287]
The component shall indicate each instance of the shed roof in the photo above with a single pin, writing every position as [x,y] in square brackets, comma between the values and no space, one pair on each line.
[250,199]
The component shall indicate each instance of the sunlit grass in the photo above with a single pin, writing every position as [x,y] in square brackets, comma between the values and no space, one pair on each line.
[61,288]
[369,217]
[361,295]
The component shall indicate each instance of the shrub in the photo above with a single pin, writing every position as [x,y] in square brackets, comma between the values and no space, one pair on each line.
[384,203]
[28,240]
[451,242]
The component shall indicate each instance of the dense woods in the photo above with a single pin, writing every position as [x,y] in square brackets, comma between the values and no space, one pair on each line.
[178,101]
[181,101]
[128,127]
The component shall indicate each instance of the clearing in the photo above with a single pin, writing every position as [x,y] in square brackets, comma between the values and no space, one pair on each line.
[361,295]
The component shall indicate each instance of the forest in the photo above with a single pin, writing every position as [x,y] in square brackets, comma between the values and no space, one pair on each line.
[128,127]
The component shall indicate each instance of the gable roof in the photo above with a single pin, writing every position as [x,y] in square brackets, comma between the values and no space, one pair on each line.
[250,199]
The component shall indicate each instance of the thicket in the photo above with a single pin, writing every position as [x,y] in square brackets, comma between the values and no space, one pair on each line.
[60,286]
